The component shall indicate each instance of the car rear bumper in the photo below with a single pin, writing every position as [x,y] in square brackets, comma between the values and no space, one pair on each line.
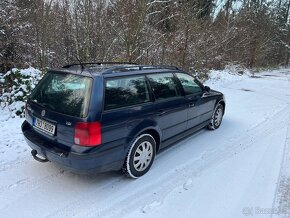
[97,161]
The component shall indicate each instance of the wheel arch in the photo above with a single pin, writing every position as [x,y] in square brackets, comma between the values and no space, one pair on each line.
[153,131]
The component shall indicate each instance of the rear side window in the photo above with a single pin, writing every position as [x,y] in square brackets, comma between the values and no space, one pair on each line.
[64,93]
[164,86]
[126,91]
[188,83]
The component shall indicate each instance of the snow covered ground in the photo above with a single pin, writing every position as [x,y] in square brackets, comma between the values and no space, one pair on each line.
[239,170]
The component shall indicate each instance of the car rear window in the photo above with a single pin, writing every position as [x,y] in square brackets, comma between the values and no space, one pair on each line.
[64,93]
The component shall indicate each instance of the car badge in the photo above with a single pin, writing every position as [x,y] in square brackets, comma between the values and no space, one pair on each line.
[43,113]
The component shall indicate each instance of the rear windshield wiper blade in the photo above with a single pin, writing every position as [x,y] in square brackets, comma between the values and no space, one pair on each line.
[48,105]
[45,105]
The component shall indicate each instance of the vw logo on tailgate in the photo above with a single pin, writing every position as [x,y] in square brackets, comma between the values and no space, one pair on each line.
[43,113]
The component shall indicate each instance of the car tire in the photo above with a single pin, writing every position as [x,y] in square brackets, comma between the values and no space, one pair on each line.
[216,118]
[140,156]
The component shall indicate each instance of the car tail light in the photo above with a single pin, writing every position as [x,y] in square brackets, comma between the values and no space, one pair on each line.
[26,109]
[88,134]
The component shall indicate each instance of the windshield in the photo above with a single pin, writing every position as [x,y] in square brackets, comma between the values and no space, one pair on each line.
[64,93]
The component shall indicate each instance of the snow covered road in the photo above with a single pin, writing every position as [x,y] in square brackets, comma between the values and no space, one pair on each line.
[239,170]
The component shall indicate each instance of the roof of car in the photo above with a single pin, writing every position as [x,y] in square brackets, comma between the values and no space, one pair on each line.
[112,68]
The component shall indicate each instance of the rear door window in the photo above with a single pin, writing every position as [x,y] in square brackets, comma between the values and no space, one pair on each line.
[126,91]
[64,93]
[164,86]
[188,83]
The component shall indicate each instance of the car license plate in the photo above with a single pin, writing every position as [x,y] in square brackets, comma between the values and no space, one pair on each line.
[44,126]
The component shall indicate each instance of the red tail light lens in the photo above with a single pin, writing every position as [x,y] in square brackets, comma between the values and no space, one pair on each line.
[26,109]
[88,134]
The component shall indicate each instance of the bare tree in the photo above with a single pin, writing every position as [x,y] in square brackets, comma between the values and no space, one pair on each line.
[190,33]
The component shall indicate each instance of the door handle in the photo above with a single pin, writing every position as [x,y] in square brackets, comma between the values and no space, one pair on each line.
[161,113]
[191,104]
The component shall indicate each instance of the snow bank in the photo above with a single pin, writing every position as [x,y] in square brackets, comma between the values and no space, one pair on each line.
[231,73]
[16,85]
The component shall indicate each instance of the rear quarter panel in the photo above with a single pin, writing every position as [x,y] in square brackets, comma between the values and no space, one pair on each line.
[120,126]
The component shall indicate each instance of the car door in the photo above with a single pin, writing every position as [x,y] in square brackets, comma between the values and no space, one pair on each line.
[200,105]
[171,107]
[127,103]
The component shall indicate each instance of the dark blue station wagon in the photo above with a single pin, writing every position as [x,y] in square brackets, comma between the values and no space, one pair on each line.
[111,116]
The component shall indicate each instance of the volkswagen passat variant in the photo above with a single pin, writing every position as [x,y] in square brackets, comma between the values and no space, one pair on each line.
[100,117]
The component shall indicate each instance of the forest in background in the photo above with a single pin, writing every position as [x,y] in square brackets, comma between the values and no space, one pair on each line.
[199,34]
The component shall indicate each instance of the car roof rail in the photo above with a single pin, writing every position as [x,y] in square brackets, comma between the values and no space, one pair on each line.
[139,67]
[98,64]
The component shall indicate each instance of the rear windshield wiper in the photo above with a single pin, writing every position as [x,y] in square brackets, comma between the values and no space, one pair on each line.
[49,106]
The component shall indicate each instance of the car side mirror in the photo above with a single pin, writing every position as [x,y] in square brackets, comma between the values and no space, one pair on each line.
[206,88]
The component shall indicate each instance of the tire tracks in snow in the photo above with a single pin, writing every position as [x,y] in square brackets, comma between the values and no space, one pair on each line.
[26,183]
[281,200]
[141,193]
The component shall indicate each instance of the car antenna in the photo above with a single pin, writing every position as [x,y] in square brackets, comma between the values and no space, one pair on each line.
[82,65]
